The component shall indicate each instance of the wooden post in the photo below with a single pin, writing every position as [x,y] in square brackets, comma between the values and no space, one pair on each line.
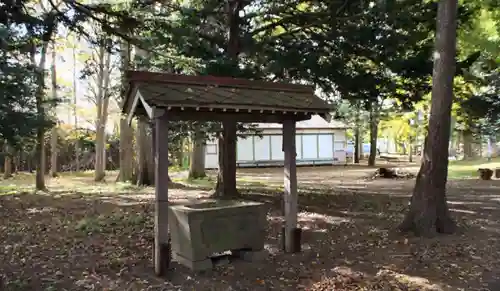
[291,232]
[162,244]
[151,169]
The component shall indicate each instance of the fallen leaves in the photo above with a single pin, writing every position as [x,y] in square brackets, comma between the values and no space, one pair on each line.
[93,240]
[345,279]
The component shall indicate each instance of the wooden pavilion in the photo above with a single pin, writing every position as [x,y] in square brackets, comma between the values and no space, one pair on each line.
[164,97]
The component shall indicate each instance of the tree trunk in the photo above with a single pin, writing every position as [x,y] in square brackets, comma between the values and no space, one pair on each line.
[40,107]
[15,163]
[54,151]
[197,163]
[40,159]
[422,152]
[458,141]
[29,163]
[356,145]
[361,149]
[410,152]
[143,151]
[494,147]
[453,139]
[373,136]
[100,154]
[424,131]
[7,168]
[126,131]
[151,156]
[356,138]
[102,102]
[75,102]
[126,151]
[179,155]
[468,140]
[428,211]
[480,145]
[226,177]
[410,149]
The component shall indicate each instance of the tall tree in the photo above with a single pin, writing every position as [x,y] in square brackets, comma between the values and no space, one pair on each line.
[18,115]
[102,105]
[49,27]
[98,70]
[73,15]
[428,211]
[53,133]
[7,168]
[126,131]
[75,104]
[226,177]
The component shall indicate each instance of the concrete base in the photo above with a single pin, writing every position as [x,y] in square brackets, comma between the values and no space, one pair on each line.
[249,255]
[196,266]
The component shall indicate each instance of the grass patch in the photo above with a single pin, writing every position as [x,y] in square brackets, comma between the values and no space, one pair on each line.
[68,184]
[96,224]
[468,169]
[176,168]
[206,182]
[84,174]
[21,182]
[12,189]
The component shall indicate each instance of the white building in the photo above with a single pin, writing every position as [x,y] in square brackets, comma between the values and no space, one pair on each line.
[317,142]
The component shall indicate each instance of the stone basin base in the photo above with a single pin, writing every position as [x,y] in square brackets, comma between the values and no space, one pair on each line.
[198,230]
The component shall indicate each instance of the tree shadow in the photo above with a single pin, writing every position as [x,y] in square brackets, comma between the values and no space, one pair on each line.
[376,211]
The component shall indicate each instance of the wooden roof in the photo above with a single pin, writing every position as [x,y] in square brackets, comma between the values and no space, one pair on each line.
[214,98]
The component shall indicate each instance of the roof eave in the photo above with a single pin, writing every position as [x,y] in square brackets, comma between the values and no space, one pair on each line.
[148,77]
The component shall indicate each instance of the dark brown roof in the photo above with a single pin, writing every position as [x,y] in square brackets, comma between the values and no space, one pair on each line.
[172,91]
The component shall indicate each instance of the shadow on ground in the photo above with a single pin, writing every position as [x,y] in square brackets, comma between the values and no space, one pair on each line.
[76,241]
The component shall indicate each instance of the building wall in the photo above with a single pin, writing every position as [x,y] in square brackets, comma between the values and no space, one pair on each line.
[314,146]
[386,145]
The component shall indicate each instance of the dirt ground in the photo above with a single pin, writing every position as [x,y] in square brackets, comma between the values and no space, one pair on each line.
[87,236]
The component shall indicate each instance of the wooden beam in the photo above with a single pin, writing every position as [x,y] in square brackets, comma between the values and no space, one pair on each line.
[147,107]
[157,112]
[125,104]
[159,101]
[291,242]
[131,112]
[241,116]
[162,243]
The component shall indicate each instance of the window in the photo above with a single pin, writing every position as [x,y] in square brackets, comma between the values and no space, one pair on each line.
[211,149]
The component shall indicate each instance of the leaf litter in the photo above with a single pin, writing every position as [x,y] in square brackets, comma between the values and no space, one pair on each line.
[79,241]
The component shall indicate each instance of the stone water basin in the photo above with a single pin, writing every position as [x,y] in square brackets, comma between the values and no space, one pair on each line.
[200,229]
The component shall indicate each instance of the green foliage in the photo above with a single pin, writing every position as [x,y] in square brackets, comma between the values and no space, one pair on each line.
[18,115]
[482,108]
[477,93]
[192,39]
[361,52]
[27,26]
[375,52]
[399,128]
